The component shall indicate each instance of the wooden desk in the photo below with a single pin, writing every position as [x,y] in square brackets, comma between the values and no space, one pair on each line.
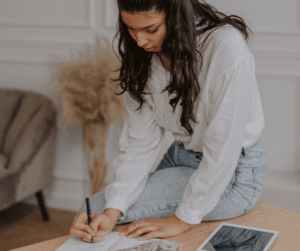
[262,215]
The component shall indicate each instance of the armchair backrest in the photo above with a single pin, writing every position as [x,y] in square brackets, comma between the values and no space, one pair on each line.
[26,121]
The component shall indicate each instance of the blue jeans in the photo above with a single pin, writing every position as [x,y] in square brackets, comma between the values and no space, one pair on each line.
[166,185]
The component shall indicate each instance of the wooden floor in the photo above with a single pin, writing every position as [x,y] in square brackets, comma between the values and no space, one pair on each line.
[22,225]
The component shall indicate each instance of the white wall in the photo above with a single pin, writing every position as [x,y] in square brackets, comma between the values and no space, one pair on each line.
[33,31]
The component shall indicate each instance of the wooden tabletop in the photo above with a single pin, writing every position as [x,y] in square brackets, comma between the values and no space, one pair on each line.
[262,215]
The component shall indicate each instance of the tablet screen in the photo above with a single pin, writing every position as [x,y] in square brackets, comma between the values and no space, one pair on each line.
[237,237]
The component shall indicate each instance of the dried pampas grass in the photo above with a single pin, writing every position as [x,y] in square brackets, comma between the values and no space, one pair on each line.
[86,91]
[87,95]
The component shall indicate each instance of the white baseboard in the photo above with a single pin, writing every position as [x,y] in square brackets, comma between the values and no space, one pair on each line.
[59,201]
[65,200]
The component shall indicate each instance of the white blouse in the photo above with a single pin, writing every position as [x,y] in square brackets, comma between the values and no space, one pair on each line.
[230,116]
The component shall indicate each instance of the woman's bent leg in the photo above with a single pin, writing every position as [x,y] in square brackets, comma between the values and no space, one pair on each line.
[160,198]
[162,194]
[165,187]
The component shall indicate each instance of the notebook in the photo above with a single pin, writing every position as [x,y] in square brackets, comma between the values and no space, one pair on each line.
[114,242]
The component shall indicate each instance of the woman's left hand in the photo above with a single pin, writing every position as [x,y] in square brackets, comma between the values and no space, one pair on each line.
[155,228]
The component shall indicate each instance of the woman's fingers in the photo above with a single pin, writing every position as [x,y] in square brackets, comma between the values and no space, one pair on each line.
[150,236]
[157,233]
[132,227]
[87,237]
[101,223]
[99,227]
[82,217]
[80,233]
[140,231]
[82,227]
[95,240]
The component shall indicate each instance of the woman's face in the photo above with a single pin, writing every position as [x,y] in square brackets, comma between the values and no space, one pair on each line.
[148,29]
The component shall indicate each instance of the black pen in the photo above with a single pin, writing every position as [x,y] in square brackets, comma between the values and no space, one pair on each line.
[89,214]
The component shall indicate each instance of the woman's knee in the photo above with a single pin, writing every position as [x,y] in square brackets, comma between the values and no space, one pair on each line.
[163,192]
[169,180]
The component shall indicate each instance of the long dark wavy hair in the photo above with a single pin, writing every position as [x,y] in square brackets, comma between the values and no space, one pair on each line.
[179,45]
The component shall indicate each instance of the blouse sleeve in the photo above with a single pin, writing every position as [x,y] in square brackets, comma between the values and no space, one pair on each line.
[222,143]
[140,142]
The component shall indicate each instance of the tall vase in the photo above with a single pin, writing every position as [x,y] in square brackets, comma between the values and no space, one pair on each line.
[94,148]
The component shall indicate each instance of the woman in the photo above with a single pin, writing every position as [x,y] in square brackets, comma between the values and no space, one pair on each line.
[186,68]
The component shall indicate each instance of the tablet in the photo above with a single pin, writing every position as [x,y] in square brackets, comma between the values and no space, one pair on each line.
[229,236]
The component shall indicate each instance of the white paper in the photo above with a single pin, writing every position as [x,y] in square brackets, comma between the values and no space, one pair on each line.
[112,242]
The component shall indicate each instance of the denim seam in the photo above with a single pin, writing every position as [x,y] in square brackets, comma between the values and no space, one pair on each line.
[167,208]
[250,204]
[160,210]
[234,183]
[251,158]
[170,162]
[232,187]
[254,192]
[146,212]
[167,157]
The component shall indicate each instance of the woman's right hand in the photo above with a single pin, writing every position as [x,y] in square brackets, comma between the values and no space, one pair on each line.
[100,226]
